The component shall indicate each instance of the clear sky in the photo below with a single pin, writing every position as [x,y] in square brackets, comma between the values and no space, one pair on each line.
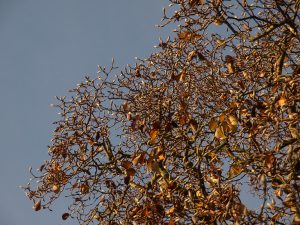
[46,48]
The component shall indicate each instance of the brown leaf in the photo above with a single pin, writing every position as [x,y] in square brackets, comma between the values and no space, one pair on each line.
[130,172]
[84,188]
[269,161]
[194,125]
[65,216]
[127,180]
[149,164]
[171,222]
[37,206]
[185,36]
[126,164]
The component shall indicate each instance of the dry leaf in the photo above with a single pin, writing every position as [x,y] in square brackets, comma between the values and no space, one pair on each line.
[233,120]
[153,135]
[170,211]
[282,101]
[136,159]
[149,164]
[269,161]
[191,55]
[185,36]
[213,125]
[220,133]
[65,216]
[194,125]
[130,172]
[37,206]
[56,188]
[84,188]
[235,170]
[126,164]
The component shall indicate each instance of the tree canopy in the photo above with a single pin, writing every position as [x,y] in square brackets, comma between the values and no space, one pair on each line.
[177,138]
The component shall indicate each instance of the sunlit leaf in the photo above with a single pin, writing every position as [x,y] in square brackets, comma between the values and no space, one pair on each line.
[153,135]
[219,133]
[233,120]
[235,170]
[282,101]
[56,188]
[191,55]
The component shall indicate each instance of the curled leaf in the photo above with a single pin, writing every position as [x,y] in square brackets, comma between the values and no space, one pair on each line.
[65,216]
[37,206]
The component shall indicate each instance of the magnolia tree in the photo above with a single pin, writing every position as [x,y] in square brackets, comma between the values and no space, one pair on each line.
[179,137]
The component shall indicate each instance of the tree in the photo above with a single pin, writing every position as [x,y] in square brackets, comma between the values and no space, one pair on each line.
[177,137]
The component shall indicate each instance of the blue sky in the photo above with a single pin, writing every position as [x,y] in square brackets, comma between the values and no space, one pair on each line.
[46,48]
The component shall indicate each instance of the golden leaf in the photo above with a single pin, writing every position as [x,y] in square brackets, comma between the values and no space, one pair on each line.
[56,188]
[222,117]
[297,217]
[213,125]
[233,120]
[220,133]
[136,159]
[185,36]
[282,101]
[235,170]
[230,68]
[153,135]
[170,211]
[191,55]
[161,156]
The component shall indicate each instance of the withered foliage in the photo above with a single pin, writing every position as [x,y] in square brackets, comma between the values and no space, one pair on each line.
[179,137]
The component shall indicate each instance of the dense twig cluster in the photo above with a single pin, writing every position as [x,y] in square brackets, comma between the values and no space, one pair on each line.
[177,137]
